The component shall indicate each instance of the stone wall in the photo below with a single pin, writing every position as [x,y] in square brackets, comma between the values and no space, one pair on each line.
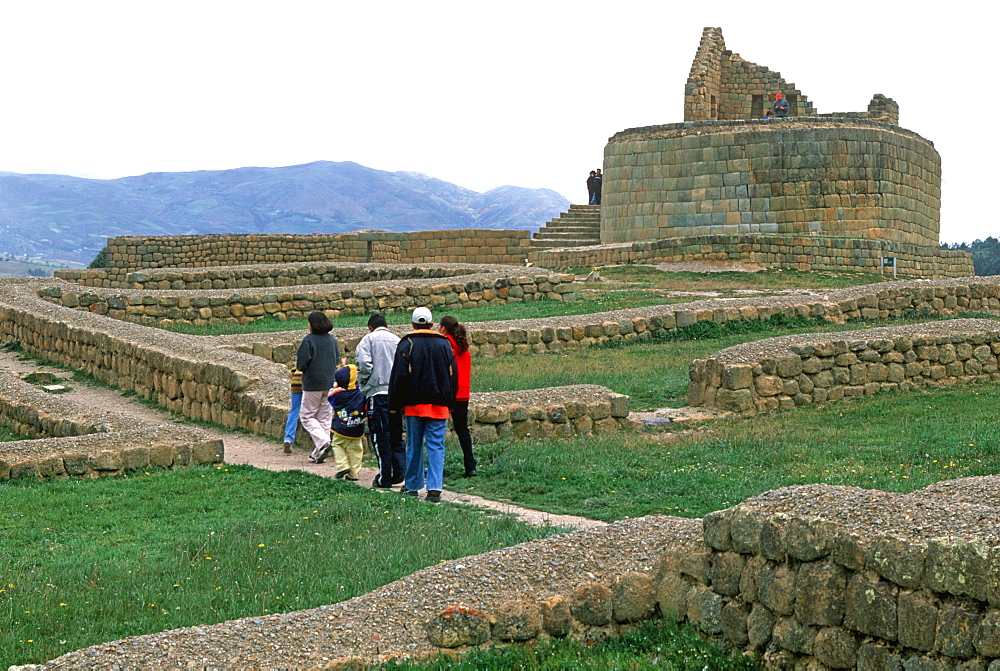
[848,178]
[204,378]
[824,577]
[805,369]
[71,440]
[443,288]
[129,253]
[557,334]
[771,251]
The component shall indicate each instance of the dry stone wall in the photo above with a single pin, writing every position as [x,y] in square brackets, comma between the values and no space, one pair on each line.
[70,440]
[771,251]
[825,577]
[848,178]
[130,253]
[204,378]
[440,286]
[801,370]
[556,334]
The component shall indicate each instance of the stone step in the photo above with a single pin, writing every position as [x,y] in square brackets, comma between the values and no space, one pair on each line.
[564,242]
[572,235]
[579,231]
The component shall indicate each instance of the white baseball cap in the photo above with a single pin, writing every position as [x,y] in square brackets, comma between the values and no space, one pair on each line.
[422,316]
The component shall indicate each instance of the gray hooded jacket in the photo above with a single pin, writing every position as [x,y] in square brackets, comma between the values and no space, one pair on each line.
[374,356]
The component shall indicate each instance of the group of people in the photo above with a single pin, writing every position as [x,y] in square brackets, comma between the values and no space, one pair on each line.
[420,379]
[594,187]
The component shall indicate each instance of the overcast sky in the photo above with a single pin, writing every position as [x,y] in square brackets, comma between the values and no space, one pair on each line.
[479,94]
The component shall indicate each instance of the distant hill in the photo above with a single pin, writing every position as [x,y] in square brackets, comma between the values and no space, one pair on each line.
[67,218]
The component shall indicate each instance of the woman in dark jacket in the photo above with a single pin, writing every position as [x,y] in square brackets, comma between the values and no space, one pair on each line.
[317,358]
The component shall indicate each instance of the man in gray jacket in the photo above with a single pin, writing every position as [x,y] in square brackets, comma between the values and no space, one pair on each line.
[374,356]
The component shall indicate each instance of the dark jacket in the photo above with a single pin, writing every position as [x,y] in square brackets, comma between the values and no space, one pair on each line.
[348,404]
[780,107]
[423,371]
[317,358]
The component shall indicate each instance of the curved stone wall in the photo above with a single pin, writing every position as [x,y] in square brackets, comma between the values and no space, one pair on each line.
[809,175]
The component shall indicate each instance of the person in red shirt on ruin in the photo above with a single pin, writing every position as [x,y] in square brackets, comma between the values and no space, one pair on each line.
[780,106]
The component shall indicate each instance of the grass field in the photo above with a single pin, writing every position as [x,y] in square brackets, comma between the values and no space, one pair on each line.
[87,561]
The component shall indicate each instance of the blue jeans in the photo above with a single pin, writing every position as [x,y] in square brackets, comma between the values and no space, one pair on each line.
[292,425]
[421,431]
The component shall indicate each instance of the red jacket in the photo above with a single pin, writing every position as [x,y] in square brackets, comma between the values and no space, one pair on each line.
[464,361]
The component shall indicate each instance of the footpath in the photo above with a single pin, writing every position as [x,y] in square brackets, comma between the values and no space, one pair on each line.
[262,452]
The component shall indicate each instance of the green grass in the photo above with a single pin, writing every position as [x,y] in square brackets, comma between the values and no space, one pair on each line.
[652,645]
[101,560]
[892,442]
[8,435]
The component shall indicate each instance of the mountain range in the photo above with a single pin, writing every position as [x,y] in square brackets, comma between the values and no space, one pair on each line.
[63,218]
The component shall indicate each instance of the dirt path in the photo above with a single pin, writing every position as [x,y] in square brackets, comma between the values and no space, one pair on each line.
[241,448]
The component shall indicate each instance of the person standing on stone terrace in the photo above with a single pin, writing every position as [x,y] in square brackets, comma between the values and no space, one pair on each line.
[455,333]
[422,387]
[374,355]
[590,188]
[598,179]
[317,358]
[780,106]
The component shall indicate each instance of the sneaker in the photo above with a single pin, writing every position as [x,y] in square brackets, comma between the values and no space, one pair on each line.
[323,453]
[341,474]
[288,447]
[434,496]
[312,459]
[407,492]
[377,484]
[348,477]
[471,473]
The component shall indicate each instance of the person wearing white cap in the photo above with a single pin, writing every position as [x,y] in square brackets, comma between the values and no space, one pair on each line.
[422,386]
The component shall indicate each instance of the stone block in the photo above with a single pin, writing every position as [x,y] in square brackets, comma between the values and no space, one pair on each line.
[760,624]
[870,606]
[456,626]
[959,566]
[794,636]
[591,604]
[897,560]
[987,636]
[726,571]
[704,610]
[836,647]
[734,618]
[556,618]
[517,620]
[956,626]
[819,593]
[633,597]
[918,614]
[715,529]
[777,588]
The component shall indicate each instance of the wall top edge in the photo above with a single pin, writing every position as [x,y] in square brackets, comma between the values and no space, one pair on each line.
[686,128]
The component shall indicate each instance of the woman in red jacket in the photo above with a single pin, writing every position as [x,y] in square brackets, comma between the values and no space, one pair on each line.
[455,333]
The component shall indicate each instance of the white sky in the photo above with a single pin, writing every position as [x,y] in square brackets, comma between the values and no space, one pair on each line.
[481,94]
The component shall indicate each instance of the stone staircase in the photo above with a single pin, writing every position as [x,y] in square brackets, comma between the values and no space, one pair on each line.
[579,227]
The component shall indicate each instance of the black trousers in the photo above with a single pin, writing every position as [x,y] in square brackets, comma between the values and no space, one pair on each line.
[460,420]
[387,440]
